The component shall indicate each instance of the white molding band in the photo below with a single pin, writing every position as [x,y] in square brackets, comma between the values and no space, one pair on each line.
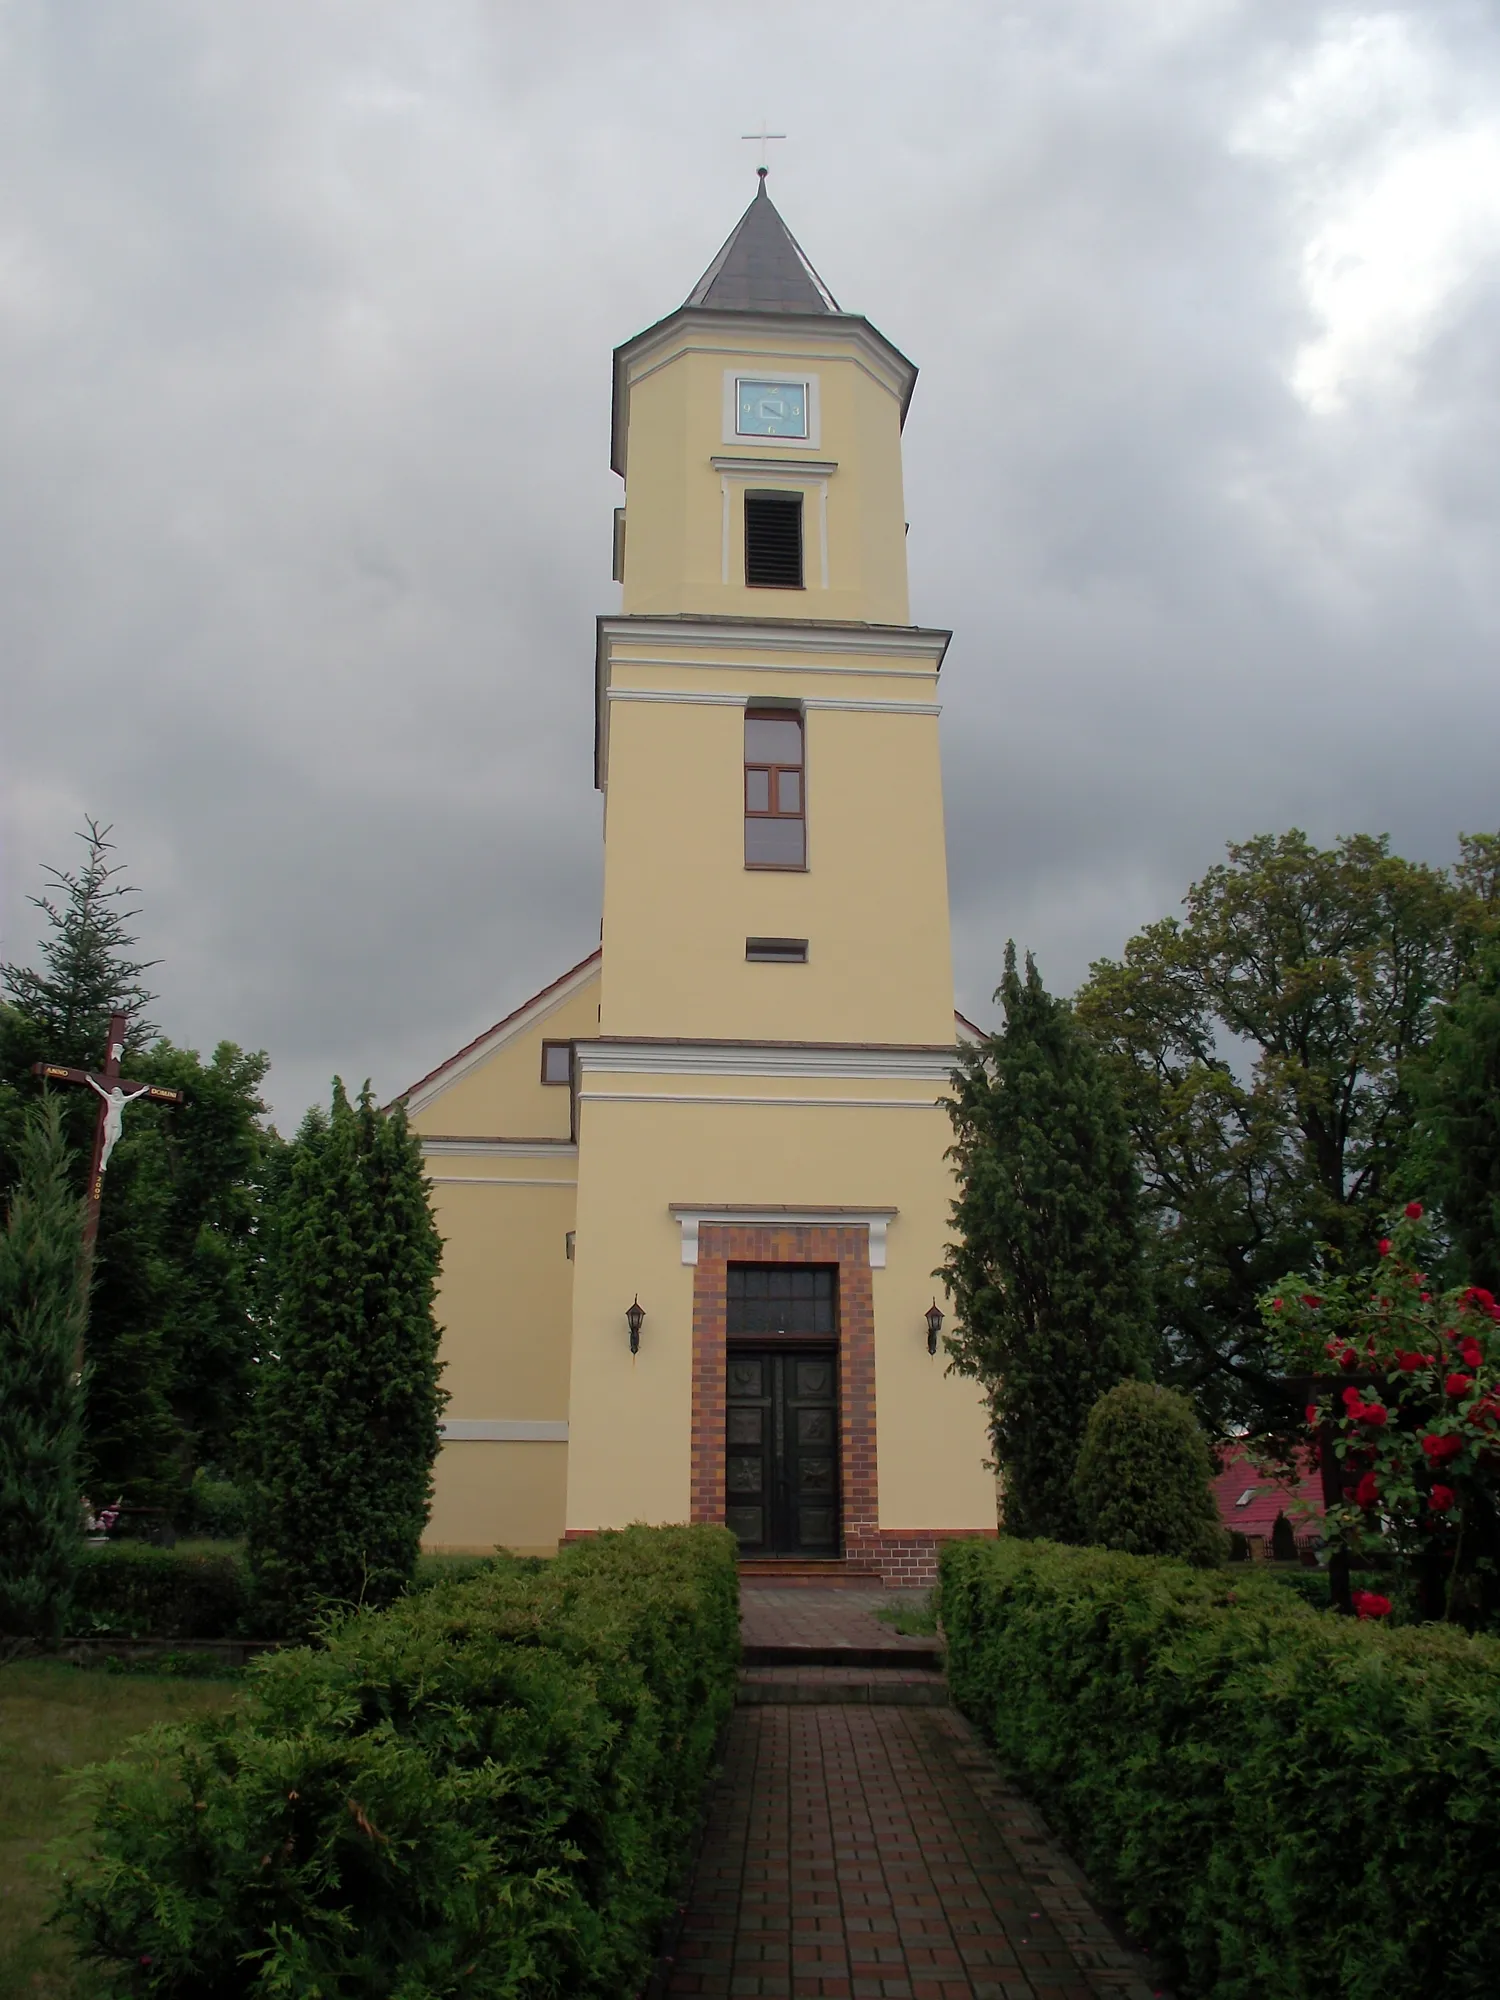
[745,1059]
[913,641]
[704,698]
[762,667]
[496,1180]
[510,1149]
[774,468]
[874,1220]
[504,1430]
[801,1103]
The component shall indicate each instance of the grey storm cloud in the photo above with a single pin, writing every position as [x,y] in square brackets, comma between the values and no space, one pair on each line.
[305,321]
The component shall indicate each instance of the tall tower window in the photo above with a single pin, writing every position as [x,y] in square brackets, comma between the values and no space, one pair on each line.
[775,796]
[773,541]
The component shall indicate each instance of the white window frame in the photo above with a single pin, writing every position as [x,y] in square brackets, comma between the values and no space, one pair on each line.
[809,385]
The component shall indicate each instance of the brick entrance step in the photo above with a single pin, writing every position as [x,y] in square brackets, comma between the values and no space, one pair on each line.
[827,1646]
[797,1573]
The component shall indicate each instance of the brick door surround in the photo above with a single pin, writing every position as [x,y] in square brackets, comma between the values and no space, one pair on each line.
[723,1244]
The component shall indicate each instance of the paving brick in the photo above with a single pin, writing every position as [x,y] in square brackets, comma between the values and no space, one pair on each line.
[861,1851]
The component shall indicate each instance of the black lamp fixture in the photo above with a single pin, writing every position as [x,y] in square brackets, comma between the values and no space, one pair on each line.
[635,1313]
[934,1319]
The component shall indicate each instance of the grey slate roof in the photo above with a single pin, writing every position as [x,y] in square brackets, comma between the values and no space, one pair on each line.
[762,268]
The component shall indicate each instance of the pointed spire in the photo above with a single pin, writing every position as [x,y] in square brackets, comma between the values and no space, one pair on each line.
[762,268]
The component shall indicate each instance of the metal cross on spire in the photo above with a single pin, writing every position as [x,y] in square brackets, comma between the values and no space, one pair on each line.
[763,137]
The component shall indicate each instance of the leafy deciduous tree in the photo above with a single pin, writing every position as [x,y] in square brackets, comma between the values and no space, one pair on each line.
[1046,1271]
[1261,1045]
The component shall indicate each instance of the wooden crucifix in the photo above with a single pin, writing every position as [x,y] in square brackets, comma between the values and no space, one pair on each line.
[114,1093]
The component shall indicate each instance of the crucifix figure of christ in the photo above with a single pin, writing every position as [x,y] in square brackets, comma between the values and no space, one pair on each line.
[114,1093]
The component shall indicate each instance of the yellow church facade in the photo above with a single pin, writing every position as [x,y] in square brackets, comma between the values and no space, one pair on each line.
[694,1193]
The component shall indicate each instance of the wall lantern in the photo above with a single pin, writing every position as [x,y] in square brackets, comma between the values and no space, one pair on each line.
[934,1318]
[634,1315]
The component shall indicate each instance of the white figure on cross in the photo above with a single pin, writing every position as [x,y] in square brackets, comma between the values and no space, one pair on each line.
[115,1101]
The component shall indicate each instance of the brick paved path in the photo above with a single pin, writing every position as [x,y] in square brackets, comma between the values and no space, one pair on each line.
[874,1852]
[774,1617]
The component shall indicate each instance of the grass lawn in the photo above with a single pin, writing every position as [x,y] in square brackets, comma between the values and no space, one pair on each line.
[913,1618]
[52,1719]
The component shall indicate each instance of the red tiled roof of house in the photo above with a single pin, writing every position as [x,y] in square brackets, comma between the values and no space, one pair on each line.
[1267,1499]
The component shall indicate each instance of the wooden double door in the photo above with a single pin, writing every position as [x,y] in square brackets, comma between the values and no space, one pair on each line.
[781,1458]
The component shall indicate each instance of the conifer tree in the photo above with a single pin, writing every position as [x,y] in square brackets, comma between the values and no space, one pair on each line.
[1047,1273]
[346,1427]
[41,1400]
[1453,1154]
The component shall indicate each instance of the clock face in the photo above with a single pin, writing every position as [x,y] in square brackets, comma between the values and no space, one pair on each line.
[771,409]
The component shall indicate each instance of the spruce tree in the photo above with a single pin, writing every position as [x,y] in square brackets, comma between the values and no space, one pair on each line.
[1047,1274]
[41,1400]
[346,1427]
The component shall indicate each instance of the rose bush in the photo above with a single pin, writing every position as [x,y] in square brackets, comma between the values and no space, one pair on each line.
[1409,1406]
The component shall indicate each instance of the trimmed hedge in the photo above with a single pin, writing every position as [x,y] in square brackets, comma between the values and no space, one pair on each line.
[1286,1805]
[491,1788]
[135,1591]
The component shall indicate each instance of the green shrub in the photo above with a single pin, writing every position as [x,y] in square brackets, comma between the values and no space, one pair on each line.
[1287,1805]
[140,1592]
[489,1789]
[1144,1479]
[213,1508]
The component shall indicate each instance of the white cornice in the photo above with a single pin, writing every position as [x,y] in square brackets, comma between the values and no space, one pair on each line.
[705,698]
[693,1216]
[775,1103]
[903,641]
[764,667]
[511,1149]
[774,468]
[504,1430]
[498,1180]
[911,1065]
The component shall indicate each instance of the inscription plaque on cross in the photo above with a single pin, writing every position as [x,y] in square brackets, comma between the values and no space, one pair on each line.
[114,1093]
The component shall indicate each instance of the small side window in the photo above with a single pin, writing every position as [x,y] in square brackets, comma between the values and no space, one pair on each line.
[557,1062]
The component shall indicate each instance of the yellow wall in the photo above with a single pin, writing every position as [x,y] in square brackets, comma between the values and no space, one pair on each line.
[504,1303]
[630,1440]
[504,1095]
[674,509]
[499,1496]
[679,902]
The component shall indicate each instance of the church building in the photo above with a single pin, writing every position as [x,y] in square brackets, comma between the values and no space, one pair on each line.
[694,1192]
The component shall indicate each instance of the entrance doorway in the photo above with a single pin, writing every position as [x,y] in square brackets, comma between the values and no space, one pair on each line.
[781,1458]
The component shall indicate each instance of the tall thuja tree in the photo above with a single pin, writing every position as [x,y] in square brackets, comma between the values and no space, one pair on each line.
[1047,1275]
[1454,1154]
[41,1400]
[346,1427]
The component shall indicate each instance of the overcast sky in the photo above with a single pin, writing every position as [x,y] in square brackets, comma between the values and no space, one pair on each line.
[306,310]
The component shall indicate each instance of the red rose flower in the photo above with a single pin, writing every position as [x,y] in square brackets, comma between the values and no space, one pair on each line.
[1439,1449]
[1353,1401]
[1414,1211]
[1348,1359]
[1276,1305]
[1370,1604]
[1367,1492]
[1311,1302]
[1458,1385]
[1472,1353]
[1384,1246]
[1442,1499]
[1408,1363]
[1372,1413]
[1312,1413]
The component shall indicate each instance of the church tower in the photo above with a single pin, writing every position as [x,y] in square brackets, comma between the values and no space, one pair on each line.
[760,1146]
[693,1193]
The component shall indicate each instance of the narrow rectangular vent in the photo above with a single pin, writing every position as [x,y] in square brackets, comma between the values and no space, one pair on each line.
[773,541]
[776,951]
